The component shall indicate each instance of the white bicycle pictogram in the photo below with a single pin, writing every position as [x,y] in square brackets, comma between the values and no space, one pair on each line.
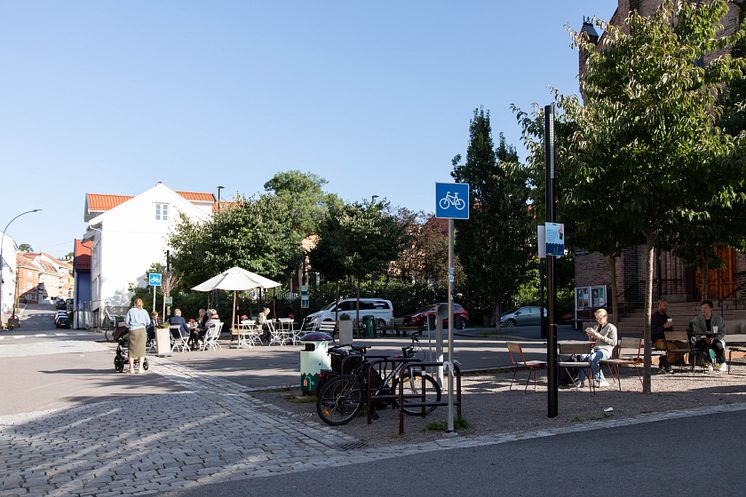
[451,199]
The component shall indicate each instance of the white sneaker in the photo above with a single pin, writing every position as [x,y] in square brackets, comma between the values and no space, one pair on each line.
[602,384]
[722,367]
[709,368]
[577,384]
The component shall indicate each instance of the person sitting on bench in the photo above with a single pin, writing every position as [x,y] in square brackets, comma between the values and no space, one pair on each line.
[711,329]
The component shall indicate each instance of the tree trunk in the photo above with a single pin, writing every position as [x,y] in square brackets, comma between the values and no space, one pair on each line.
[497,317]
[613,290]
[649,260]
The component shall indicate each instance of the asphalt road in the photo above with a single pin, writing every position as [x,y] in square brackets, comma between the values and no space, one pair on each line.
[694,456]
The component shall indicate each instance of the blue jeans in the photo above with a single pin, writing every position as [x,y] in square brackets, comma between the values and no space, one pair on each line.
[595,357]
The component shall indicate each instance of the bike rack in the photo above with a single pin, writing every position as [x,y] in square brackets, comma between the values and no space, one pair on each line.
[386,362]
[423,404]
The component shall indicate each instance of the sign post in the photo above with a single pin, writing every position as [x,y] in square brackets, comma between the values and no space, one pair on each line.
[451,202]
[154,280]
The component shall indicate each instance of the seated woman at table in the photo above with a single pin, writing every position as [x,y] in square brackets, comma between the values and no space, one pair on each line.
[155,322]
[710,329]
[605,336]
[262,318]
[198,331]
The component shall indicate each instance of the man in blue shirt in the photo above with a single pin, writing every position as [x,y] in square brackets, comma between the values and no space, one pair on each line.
[177,320]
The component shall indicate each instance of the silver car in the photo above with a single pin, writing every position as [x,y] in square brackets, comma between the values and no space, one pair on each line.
[526,315]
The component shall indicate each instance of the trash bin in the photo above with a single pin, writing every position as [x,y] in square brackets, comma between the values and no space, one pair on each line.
[369,326]
[313,358]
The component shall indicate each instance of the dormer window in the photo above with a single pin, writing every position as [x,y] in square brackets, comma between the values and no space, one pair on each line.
[161,212]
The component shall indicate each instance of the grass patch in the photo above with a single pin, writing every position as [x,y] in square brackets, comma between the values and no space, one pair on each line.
[576,419]
[460,423]
[300,399]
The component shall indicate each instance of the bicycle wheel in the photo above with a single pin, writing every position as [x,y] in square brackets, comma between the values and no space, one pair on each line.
[339,400]
[413,386]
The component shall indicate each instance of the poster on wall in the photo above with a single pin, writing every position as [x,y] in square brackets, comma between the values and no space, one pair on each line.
[582,297]
[598,296]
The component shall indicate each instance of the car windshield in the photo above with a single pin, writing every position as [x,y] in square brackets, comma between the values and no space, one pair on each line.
[327,307]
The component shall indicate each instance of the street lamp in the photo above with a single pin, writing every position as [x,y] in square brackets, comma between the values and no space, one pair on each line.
[2,261]
[219,188]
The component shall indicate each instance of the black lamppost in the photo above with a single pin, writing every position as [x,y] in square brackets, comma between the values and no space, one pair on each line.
[2,261]
[219,188]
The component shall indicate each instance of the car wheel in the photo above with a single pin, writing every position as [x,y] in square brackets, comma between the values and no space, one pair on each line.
[510,323]
[462,323]
[380,324]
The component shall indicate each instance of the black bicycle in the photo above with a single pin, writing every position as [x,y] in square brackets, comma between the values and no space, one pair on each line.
[340,399]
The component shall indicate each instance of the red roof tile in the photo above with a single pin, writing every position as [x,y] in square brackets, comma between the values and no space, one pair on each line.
[98,202]
[82,261]
[198,196]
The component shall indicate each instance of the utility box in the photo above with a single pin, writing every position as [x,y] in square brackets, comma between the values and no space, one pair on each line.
[163,341]
[313,358]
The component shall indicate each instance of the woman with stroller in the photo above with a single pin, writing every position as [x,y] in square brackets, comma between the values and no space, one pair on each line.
[137,321]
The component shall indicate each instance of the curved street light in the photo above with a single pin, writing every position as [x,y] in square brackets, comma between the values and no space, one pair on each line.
[2,261]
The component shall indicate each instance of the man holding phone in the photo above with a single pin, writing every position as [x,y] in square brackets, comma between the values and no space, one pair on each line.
[711,329]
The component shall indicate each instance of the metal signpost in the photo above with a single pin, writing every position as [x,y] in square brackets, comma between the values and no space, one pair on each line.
[551,324]
[154,280]
[451,202]
[304,297]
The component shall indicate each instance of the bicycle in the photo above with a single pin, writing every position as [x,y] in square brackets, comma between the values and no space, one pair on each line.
[339,400]
[451,199]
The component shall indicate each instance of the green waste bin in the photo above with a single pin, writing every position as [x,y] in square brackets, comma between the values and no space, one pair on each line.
[369,326]
[314,358]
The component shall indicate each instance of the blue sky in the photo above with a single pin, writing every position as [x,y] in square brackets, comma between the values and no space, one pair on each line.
[111,96]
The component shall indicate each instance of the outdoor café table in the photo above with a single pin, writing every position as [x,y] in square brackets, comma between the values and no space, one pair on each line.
[734,343]
[249,333]
[286,328]
[576,347]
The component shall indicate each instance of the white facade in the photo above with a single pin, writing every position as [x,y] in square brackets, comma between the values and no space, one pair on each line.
[8,285]
[129,238]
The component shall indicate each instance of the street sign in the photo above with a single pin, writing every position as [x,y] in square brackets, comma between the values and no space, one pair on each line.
[154,279]
[169,300]
[452,200]
[304,297]
[555,239]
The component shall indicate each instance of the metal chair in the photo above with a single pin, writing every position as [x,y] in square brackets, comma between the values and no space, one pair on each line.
[628,352]
[179,339]
[571,348]
[519,362]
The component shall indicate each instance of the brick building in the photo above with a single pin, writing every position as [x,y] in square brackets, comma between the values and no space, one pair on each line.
[672,277]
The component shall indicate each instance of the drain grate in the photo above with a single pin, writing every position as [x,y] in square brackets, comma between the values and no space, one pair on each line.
[360,444]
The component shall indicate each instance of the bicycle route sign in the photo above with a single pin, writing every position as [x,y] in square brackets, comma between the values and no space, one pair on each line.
[452,200]
[154,279]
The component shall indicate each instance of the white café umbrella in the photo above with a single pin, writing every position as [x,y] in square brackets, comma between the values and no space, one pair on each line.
[236,279]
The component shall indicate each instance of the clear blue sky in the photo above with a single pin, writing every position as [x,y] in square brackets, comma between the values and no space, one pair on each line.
[113,96]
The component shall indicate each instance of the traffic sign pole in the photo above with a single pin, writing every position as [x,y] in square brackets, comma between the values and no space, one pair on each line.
[450,326]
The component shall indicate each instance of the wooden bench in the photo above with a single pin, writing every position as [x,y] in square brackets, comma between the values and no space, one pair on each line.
[397,326]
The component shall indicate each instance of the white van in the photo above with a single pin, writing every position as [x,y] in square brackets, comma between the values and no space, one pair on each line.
[382,310]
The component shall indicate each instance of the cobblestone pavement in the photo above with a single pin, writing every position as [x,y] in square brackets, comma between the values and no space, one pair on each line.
[212,432]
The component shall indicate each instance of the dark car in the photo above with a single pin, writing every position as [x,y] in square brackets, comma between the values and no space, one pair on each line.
[420,318]
[60,304]
[61,320]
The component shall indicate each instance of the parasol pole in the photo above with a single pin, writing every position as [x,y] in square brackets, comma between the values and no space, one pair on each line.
[234,325]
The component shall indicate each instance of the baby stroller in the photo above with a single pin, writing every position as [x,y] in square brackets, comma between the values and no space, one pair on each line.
[121,335]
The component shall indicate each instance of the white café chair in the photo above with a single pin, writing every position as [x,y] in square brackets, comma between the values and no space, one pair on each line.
[211,337]
[180,339]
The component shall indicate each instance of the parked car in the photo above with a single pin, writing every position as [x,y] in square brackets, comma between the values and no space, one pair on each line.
[61,319]
[382,311]
[461,317]
[60,304]
[526,315]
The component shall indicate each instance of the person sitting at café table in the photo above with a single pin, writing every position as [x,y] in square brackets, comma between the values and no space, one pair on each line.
[660,323]
[262,318]
[213,321]
[198,331]
[155,322]
[605,336]
[178,320]
[711,328]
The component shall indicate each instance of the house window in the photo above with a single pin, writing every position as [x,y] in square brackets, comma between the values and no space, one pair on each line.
[161,212]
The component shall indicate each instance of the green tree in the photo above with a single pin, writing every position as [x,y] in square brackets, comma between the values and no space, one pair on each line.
[255,234]
[493,246]
[645,141]
[303,193]
[25,247]
[733,99]
[425,257]
[356,240]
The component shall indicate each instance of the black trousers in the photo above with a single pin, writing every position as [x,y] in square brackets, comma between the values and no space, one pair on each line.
[717,347]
